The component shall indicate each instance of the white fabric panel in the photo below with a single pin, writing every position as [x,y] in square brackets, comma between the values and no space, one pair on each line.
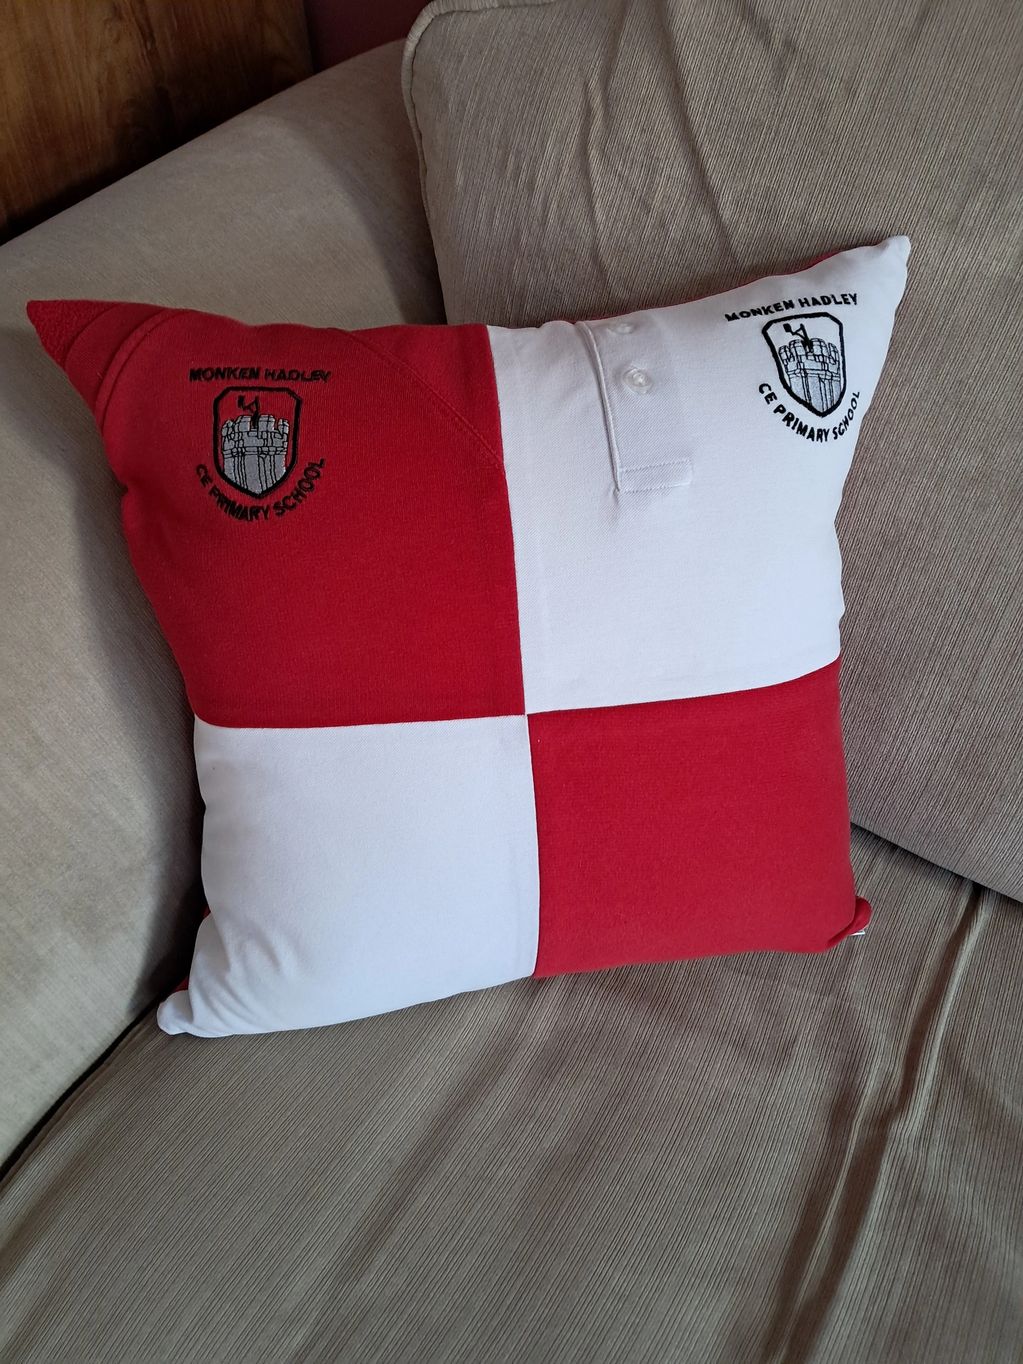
[673,504]
[354,870]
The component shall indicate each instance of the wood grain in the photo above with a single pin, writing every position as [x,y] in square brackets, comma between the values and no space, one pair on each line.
[92,89]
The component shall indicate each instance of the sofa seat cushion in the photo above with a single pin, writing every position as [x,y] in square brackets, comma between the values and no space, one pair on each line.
[751,1158]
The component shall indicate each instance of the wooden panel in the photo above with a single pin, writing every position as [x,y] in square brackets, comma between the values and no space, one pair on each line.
[91,89]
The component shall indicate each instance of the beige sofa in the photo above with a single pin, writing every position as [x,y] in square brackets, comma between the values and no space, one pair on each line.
[750,1159]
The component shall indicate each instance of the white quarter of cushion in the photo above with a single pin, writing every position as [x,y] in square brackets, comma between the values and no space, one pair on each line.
[359,869]
[674,535]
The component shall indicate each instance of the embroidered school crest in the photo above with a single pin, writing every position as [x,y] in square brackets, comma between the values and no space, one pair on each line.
[255,437]
[809,350]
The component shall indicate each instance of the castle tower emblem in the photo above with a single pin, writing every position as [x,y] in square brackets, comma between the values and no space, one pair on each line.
[255,437]
[809,350]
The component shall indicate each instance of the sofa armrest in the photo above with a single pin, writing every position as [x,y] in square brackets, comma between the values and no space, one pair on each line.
[305,209]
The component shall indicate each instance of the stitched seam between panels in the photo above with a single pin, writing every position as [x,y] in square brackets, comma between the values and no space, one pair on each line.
[124,352]
[452,413]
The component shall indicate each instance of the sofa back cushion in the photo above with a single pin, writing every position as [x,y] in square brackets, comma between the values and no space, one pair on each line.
[641,153]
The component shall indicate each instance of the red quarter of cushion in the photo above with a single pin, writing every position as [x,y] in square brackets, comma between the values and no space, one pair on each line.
[377,584]
[686,828]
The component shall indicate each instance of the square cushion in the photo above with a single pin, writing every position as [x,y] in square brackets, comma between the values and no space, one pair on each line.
[511,652]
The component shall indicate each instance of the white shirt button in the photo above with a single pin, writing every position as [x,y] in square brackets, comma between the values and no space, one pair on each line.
[621,327]
[638,380]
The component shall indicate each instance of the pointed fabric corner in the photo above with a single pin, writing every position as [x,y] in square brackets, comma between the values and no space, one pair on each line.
[84,335]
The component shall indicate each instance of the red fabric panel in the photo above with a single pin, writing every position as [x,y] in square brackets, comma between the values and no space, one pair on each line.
[62,324]
[450,368]
[685,828]
[376,582]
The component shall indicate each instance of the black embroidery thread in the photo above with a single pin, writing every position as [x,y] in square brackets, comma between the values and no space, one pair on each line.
[255,437]
[809,352]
